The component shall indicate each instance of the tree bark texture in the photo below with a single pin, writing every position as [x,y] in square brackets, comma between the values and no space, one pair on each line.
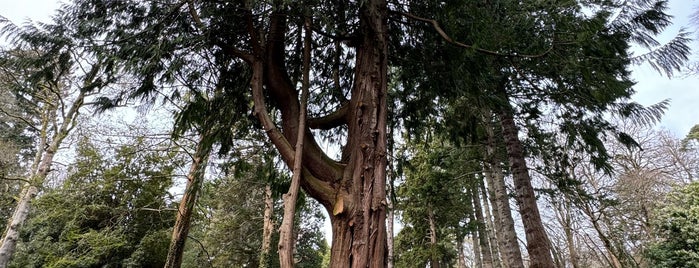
[504,223]
[195,177]
[537,241]
[353,190]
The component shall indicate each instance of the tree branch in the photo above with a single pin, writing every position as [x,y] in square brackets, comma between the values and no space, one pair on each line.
[447,38]
[332,120]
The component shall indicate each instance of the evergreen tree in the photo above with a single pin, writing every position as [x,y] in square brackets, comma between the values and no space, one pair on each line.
[113,210]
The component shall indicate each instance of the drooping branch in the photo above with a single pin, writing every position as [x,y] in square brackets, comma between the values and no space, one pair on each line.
[450,40]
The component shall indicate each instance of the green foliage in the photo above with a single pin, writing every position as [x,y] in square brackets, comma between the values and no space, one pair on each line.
[228,224]
[677,225]
[106,213]
[435,187]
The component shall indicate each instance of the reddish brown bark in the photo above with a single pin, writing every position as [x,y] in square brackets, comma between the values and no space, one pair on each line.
[353,191]
[537,241]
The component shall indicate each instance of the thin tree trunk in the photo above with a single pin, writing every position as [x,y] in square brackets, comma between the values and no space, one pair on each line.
[389,227]
[434,260]
[568,228]
[477,257]
[267,228]
[504,223]
[195,176]
[461,261]
[537,241]
[286,231]
[483,240]
[19,216]
[489,226]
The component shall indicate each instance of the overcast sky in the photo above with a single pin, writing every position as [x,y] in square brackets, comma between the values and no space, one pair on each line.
[651,87]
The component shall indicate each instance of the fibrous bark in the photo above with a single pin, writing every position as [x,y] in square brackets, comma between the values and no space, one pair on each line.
[354,190]
[537,241]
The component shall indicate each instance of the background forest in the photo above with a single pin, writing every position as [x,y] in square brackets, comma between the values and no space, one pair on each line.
[202,133]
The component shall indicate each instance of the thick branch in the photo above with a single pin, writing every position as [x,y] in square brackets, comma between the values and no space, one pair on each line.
[332,120]
[281,89]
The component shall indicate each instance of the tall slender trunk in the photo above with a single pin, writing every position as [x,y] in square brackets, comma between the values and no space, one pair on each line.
[489,226]
[286,231]
[461,257]
[477,257]
[434,258]
[267,228]
[483,240]
[504,223]
[566,218]
[537,241]
[40,171]
[195,177]
[389,227]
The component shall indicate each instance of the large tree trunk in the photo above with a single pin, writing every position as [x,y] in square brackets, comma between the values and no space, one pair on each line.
[504,223]
[267,228]
[353,190]
[359,216]
[537,241]
[195,176]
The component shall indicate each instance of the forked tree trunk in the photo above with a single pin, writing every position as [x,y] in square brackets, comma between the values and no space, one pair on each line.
[504,223]
[353,190]
[267,228]
[537,241]
[195,177]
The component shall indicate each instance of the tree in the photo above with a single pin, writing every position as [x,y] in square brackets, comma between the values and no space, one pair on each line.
[678,229]
[113,209]
[434,204]
[51,77]
[173,33]
[544,58]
